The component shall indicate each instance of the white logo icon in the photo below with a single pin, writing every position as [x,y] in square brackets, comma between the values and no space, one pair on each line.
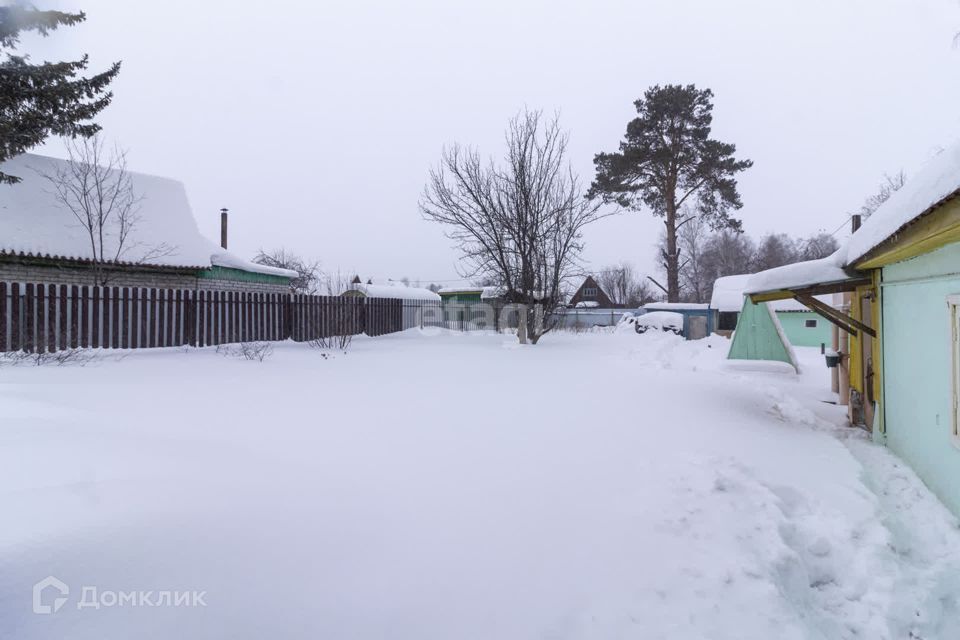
[43,585]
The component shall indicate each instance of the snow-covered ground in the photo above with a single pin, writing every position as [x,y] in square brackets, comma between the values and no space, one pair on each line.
[459,486]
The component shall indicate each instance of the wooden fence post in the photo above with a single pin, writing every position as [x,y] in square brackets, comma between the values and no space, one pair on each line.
[63,316]
[41,335]
[75,323]
[52,317]
[134,317]
[85,320]
[125,318]
[115,317]
[16,327]
[156,320]
[4,341]
[29,315]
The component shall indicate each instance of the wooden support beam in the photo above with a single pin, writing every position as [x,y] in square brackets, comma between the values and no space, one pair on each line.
[838,318]
[813,290]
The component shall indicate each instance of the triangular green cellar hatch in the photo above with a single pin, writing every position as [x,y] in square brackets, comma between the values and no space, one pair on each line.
[759,336]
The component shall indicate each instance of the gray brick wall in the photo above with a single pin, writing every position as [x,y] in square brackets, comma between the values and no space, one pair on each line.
[234,285]
[41,274]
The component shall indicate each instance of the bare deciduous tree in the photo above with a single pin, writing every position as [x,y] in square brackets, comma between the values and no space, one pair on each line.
[95,186]
[692,237]
[519,222]
[818,246]
[308,280]
[336,282]
[623,285]
[726,253]
[775,250]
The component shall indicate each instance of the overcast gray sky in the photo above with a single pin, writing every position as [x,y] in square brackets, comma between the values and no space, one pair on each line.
[316,122]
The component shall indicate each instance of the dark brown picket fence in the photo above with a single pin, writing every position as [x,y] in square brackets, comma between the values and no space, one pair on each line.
[52,317]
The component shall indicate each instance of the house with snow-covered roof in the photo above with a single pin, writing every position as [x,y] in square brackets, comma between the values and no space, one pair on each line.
[41,241]
[899,276]
[391,289]
[471,295]
[591,295]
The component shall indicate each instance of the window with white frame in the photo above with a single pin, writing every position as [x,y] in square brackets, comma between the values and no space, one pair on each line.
[589,292]
[954,304]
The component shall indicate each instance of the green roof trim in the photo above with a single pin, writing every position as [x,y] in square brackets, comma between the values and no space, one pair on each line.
[239,275]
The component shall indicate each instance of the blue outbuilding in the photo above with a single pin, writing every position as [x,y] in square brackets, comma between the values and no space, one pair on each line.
[699,320]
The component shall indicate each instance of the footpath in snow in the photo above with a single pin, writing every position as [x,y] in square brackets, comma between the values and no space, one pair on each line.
[461,486]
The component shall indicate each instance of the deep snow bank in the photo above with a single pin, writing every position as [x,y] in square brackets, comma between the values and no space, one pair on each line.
[593,486]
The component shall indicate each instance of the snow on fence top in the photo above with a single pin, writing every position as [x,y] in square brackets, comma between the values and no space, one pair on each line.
[34,223]
[935,183]
[728,293]
[396,291]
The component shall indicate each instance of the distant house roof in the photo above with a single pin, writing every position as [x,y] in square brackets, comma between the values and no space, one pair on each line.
[486,293]
[34,224]
[396,291]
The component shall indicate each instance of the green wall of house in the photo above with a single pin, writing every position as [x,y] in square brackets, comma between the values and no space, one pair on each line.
[462,298]
[799,334]
[918,386]
[227,273]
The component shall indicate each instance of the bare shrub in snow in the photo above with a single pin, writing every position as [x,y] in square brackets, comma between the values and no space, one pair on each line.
[67,357]
[332,343]
[519,222]
[257,351]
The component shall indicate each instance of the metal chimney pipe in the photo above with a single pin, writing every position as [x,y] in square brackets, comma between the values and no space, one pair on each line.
[855,222]
[223,227]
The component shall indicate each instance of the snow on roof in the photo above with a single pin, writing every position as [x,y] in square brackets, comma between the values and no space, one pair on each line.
[33,223]
[675,306]
[728,293]
[396,291]
[223,258]
[937,181]
[661,319]
[827,270]
[485,292]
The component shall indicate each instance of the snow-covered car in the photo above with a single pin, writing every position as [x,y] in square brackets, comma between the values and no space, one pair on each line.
[668,321]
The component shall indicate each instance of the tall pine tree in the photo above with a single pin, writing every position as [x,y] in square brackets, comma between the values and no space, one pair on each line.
[39,100]
[667,159]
